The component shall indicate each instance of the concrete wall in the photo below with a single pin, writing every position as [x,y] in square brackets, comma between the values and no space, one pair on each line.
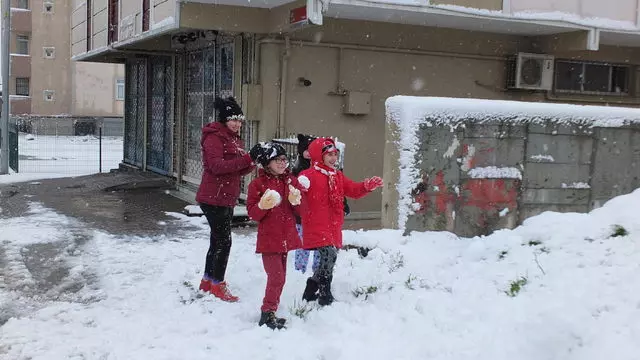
[565,168]
[69,126]
[94,89]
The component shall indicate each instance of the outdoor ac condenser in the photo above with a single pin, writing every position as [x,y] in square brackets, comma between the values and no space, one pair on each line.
[531,72]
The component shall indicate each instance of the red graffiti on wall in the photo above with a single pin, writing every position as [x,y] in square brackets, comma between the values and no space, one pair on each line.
[433,195]
[489,194]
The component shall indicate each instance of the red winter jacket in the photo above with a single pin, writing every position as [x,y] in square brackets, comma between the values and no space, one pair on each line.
[224,163]
[276,227]
[322,210]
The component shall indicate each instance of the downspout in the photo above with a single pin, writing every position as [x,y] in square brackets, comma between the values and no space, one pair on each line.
[283,87]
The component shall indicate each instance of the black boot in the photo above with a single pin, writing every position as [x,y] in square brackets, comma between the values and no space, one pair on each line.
[325,297]
[310,291]
[269,318]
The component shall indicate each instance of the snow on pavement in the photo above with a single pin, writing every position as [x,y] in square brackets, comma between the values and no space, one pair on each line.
[558,287]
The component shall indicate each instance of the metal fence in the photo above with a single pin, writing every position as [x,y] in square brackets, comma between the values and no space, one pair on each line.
[83,152]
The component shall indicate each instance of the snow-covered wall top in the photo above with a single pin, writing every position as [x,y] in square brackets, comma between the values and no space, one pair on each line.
[412,110]
[409,115]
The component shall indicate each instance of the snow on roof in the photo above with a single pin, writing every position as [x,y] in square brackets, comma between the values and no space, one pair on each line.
[453,111]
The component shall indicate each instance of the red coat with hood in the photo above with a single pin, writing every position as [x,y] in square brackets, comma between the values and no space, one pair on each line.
[322,208]
[224,163]
[276,227]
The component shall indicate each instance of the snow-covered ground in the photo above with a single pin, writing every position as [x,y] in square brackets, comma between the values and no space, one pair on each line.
[70,155]
[562,286]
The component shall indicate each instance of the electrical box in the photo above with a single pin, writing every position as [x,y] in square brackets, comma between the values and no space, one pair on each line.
[357,103]
[251,101]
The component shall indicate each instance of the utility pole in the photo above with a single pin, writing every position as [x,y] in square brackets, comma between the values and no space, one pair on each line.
[4,120]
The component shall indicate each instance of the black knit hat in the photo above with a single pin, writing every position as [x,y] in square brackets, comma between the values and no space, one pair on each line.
[228,109]
[303,142]
[269,152]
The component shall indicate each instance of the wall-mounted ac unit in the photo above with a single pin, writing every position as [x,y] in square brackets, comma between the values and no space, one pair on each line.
[530,72]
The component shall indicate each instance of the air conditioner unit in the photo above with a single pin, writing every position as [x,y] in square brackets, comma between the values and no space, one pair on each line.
[531,72]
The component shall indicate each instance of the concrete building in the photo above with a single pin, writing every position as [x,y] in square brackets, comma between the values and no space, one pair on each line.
[326,66]
[49,92]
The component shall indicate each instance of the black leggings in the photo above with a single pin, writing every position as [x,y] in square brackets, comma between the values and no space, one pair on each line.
[219,218]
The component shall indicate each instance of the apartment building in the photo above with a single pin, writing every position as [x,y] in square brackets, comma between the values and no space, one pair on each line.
[326,66]
[49,92]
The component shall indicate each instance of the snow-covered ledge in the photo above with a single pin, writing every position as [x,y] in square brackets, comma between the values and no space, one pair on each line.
[410,117]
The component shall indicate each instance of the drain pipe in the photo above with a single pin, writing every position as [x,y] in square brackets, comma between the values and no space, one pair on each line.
[283,87]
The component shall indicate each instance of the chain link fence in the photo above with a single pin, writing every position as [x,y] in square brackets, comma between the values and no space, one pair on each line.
[69,146]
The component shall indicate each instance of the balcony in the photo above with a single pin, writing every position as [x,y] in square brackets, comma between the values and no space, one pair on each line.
[20,20]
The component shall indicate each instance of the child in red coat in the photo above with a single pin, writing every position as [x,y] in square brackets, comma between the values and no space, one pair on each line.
[322,213]
[272,200]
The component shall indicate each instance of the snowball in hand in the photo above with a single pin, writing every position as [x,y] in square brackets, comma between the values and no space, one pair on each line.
[304,181]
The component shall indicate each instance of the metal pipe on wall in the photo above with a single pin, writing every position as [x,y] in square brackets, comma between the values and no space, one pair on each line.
[4,121]
[283,87]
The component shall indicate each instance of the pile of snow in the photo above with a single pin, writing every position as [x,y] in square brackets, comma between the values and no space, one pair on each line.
[557,287]
[409,113]
[493,172]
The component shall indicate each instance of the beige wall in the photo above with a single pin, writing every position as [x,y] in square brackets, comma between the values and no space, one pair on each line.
[427,62]
[236,18]
[50,30]
[94,88]
[163,9]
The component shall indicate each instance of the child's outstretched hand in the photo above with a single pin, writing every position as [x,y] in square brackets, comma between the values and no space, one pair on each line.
[373,183]
[269,200]
[294,196]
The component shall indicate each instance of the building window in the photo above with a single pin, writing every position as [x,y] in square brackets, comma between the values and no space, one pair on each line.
[22,4]
[49,52]
[22,44]
[120,89]
[89,20]
[146,14]
[48,95]
[591,78]
[22,86]
[47,7]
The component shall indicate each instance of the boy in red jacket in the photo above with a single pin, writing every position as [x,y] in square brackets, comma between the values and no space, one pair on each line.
[322,213]
[272,201]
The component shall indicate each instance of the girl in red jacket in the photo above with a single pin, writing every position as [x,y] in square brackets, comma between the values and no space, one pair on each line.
[322,213]
[272,200]
[224,163]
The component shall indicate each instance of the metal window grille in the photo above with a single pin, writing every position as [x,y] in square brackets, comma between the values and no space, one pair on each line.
[22,86]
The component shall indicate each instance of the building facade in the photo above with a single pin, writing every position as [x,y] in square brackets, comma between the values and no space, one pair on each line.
[326,67]
[49,92]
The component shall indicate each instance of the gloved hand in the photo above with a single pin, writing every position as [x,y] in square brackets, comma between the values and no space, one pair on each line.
[269,200]
[304,181]
[255,152]
[294,196]
[373,183]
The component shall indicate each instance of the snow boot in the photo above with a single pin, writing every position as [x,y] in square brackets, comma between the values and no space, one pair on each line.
[269,318]
[325,297]
[310,291]
[205,285]
[222,292]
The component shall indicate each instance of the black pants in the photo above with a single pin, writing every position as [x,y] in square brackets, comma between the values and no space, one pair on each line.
[219,218]
[328,256]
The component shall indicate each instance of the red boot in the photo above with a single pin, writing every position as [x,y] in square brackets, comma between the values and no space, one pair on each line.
[205,285]
[222,292]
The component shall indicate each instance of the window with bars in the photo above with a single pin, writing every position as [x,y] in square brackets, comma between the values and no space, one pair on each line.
[22,44]
[591,78]
[22,86]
